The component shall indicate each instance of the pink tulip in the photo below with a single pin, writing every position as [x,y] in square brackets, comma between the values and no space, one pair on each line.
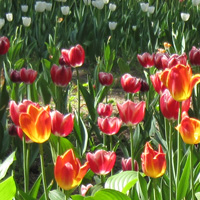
[127,164]
[105,78]
[84,189]
[146,60]
[28,76]
[104,110]
[157,84]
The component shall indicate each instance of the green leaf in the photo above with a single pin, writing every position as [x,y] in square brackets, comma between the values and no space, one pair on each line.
[123,66]
[19,64]
[77,197]
[123,181]
[24,196]
[56,195]
[8,189]
[197,195]
[35,189]
[6,164]
[184,182]
[142,187]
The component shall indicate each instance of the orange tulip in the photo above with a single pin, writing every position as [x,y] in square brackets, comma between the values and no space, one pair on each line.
[68,171]
[153,162]
[179,81]
[36,123]
[189,129]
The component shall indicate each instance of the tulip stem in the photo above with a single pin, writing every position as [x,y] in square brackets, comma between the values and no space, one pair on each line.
[43,171]
[191,173]
[154,188]
[170,161]
[67,194]
[25,164]
[78,95]
[132,151]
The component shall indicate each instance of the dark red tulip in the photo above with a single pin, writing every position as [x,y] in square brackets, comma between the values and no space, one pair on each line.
[146,59]
[194,56]
[15,76]
[28,76]
[144,86]
[158,60]
[105,78]
[4,45]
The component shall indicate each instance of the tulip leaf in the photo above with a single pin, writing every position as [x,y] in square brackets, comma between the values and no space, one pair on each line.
[197,195]
[35,189]
[123,66]
[6,164]
[123,181]
[56,195]
[142,187]
[184,182]
[8,188]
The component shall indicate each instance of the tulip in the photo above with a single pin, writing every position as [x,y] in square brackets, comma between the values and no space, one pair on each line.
[127,164]
[144,86]
[179,81]
[105,78]
[157,83]
[87,2]
[105,1]
[9,16]
[130,84]
[189,129]
[61,76]
[151,9]
[170,107]
[4,45]
[131,113]
[175,59]
[112,25]
[167,45]
[40,6]
[194,56]
[185,16]
[104,110]
[65,10]
[24,8]
[109,125]
[74,56]
[20,135]
[112,7]
[146,59]
[134,28]
[158,57]
[98,4]
[2,22]
[101,162]
[36,123]
[12,130]
[84,189]
[68,171]
[144,6]
[26,21]
[15,76]
[61,125]
[61,60]
[195,2]
[153,162]
[28,76]
[48,6]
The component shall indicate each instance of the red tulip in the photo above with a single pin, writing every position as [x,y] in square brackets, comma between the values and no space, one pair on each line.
[74,57]
[109,125]
[4,45]
[127,164]
[104,110]
[105,78]
[15,76]
[61,76]
[61,125]
[68,171]
[153,162]
[194,56]
[144,86]
[170,107]
[131,113]
[20,134]
[130,84]
[84,189]
[28,76]
[146,59]
[158,60]
[101,162]
[157,84]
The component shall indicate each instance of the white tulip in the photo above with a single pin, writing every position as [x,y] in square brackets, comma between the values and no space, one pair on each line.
[105,1]
[24,8]
[112,25]
[185,16]
[87,2]
[2,22]
[65,10]
[195,2]
[26,21]
[9,16]
[112,7]
[151,9]
[134,28]
[40,6]
[98,4]
[144,6]
[48,6]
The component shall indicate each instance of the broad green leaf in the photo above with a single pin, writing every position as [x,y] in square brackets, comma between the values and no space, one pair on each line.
[123,181]
[77,197]
[56,195]
[8,189]
[6,164]
[142,187]
[23,196]
[197,195]
[35,188]
[19,64]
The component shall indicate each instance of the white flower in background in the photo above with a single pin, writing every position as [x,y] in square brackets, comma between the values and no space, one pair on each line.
[65,10]
[134,28]
[2,22]
[87,2]
[195,2]
[48,6]
[105,1]
[112,25]
[26,21]
[24,8]
[144,6]
[151,9]
[9,16]
[63,0]
[185,16]
[112,7]
[40,6]
[98,4]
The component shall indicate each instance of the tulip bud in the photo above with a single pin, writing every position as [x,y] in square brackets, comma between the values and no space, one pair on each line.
[26,21]
[9,16]
[185,16]
[146,60]
[84,189]
[104,110]
[99,4]
[2,22]
[65,10]
[105,78]
[87,2]
[112,7]
[144,86]
[194,56]
[40,6]
[15,76]
[48,6]
[112,25]
[24,8]
[195,2]
[144,6]
[4,45]
[151,9]
[134,28]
